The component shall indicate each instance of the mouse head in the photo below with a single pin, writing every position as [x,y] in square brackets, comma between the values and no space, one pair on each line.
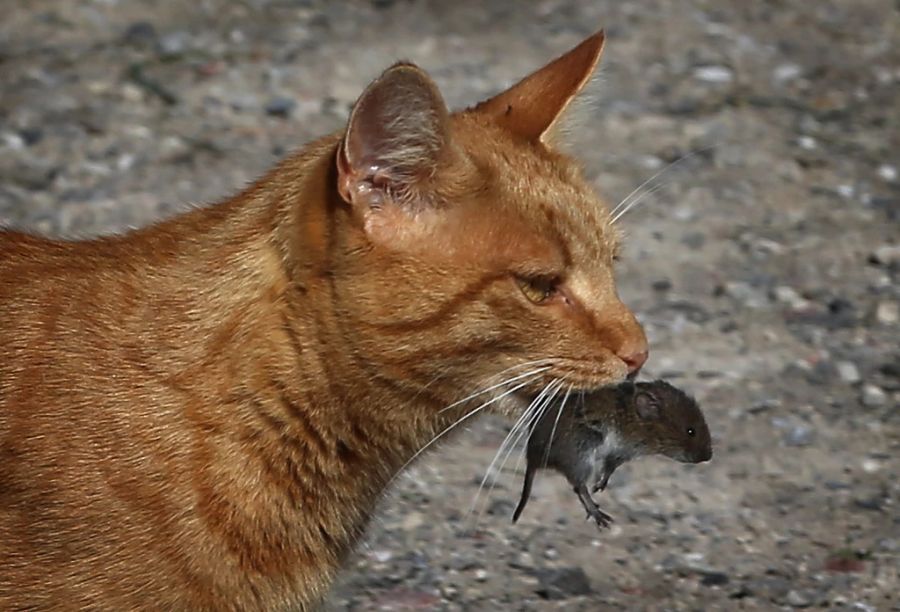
[672,421]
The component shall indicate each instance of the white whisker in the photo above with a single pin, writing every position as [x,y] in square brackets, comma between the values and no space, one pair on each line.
[555,423]
[637,200]
[457,422]
[670,166]
[523,425]
[522,419]
[492,387]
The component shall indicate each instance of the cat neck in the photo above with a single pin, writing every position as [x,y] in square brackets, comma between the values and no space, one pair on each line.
[295,415]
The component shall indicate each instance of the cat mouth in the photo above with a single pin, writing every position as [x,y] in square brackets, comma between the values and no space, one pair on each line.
[584,376]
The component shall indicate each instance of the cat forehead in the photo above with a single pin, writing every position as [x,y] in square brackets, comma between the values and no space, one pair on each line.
[544,187]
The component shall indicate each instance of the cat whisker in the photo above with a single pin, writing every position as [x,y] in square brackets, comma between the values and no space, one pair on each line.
[527,416]
[555,423]
[616,213]
[524,433]
[522,418]
[638,199]
[456,423]
[492,387]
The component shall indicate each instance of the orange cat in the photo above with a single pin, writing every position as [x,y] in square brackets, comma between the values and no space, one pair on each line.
[203,413]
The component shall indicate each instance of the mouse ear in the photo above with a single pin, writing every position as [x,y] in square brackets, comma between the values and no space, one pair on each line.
[646,406]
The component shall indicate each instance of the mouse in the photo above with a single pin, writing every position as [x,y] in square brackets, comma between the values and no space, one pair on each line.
[609,427]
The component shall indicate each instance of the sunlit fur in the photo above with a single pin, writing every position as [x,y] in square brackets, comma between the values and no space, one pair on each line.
[202,414]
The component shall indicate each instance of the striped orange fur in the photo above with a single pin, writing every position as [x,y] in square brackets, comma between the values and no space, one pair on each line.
[202,414]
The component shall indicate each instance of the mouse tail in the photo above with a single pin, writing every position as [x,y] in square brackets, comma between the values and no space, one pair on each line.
[526,493]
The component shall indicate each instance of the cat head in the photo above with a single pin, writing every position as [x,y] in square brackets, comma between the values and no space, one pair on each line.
[472,246]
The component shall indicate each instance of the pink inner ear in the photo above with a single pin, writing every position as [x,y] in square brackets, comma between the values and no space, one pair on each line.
[396,134]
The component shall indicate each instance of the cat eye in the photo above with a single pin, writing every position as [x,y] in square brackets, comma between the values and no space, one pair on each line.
[691,432]
[538,290]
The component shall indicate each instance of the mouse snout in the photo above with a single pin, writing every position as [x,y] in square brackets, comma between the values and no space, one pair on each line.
[703,455]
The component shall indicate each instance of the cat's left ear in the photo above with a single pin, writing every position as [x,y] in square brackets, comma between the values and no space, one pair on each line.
[533,106]
[395,140]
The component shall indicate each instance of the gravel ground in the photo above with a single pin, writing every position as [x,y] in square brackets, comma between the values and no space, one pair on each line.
[765,269]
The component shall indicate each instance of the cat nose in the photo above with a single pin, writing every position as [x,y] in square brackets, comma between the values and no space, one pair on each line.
[635,359]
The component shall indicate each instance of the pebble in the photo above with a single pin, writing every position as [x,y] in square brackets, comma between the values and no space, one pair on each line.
[885,254]
[798,599]
[714,74]
[848,372]
[173,43]
[786,72]
[873,396]
[280,106]
[562,583]
[799,435]
[887,173]
[745,293]
[887,313]
[807,142]
[790,296]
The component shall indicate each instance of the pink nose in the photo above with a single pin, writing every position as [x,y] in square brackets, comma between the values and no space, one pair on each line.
[635,360]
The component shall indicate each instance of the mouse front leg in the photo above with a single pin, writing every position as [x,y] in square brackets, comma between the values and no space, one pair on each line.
[609,466]
[600,517]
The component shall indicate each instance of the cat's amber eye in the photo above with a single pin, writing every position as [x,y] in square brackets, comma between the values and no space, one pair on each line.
[538,290]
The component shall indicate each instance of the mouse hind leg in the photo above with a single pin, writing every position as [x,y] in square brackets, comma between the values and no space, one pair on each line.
[600,517]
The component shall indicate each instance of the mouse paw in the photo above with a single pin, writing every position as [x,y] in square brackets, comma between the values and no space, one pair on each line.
[600,517]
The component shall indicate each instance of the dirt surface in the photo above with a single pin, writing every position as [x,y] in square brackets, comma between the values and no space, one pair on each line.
[765,268]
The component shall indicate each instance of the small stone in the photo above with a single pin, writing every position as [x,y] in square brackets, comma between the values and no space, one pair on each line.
[873,396]
[845,191]
[694,240]
[790,296]
[714,579]
[798,599]
[481,575]
[663,284]
[786,72]
[799,435]
[11,140]
[807,142]
[280,106]
[562,583]
[714,74]
[848,372]
[764,405]
[887,173]
[173,44]
[870,466]
[868,503]
[885,255]
[745,293]
[140,33]
[887,313]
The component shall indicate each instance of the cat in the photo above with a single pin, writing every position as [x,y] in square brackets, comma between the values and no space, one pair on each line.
[203,413]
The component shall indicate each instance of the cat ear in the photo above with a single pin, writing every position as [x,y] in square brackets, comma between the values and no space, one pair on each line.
[395,138]
[531,107]
[646,406]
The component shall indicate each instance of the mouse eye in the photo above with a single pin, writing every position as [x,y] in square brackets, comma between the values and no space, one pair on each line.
[691,432]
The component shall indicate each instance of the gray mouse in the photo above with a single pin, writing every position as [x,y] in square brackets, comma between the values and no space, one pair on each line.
[614,425]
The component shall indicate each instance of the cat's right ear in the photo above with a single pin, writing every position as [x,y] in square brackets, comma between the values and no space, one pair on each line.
[646,406]
[395,140]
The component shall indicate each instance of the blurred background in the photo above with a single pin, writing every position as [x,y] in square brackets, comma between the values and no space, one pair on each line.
[764,267]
